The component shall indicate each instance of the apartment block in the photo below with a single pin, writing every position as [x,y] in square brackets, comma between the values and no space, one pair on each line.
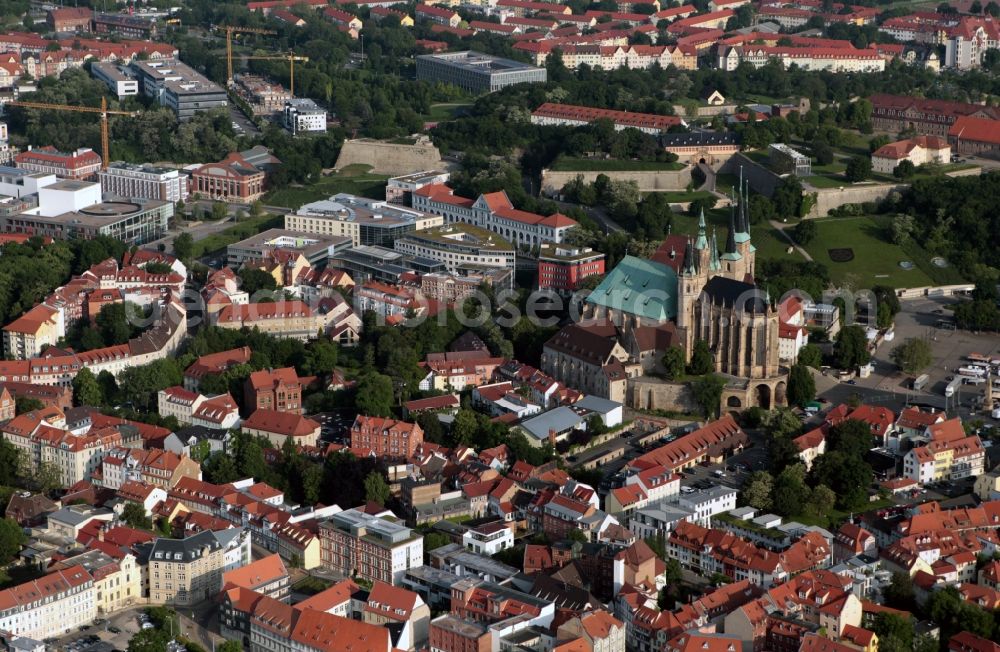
[386,437]
[373,548]
[53,605]
[183,572]
[131,181]
[949,455]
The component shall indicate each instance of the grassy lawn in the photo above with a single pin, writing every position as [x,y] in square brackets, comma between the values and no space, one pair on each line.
[353,179]
[572,164]
[826,182]
[244,229]
[831,168]
[767,240]
[876,260]
[725,183]
[835,517]
[446,111]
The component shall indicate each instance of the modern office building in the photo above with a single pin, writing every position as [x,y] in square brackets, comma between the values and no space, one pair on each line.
[302,115]
[137,27]
[476,72]
[364,221]
[317,248]
[132,222]
[117,77]
[131,181]
[374,263]
[461,247]
[562,267]
[178,87]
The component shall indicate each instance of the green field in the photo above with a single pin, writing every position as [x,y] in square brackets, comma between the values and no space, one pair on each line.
[876,260]
[572,164]
[446,111]
[242,230]
[826,182]
[355,180]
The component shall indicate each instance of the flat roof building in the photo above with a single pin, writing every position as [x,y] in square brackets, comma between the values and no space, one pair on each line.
[131,181]
[316,248]
[477,72]
[117,77]
[461,247]
[302,115]
[364,221]
[178,87]
[132,222]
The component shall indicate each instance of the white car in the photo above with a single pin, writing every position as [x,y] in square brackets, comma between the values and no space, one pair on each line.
[148,625]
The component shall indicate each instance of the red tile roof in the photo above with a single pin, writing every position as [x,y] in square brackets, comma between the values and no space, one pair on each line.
[280,423]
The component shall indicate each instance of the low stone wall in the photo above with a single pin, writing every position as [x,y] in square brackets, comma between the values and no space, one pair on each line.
[390,158]
[648,181]
[828,199]
[650,393]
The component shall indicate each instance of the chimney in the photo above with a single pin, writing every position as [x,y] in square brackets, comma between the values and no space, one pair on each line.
[552,437]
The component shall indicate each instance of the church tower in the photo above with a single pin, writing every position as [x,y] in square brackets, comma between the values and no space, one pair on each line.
[733,264]
[701,246]
[743,245]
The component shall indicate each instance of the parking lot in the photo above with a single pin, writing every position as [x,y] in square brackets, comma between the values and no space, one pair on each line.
[888,386]
[104,630]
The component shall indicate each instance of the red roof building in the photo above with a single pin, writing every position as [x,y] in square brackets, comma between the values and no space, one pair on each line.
[279,426]
[81,164]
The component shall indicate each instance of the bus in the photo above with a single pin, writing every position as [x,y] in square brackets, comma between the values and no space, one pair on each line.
[975,372]
[920,381]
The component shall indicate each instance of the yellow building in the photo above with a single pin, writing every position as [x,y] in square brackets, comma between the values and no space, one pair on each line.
[25,337]
[117,582]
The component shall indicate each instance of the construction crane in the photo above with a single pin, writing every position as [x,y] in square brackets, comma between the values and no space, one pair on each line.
[103,110]
[291,58]
[230,30]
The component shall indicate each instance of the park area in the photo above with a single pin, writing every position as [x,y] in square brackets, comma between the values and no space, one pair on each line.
[353,179]
[856,250]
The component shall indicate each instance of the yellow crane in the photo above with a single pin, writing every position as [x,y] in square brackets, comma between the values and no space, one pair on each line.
[103,111]
[291,58]
[230,30]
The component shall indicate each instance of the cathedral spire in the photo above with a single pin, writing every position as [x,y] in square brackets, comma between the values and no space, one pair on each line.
[731,236]
[702,241]
[690,261]
[714,264]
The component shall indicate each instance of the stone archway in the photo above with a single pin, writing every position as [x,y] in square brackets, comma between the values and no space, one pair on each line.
[762,396]
[780,394]
[734,402]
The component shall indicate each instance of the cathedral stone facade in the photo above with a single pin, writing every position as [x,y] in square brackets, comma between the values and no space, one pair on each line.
[691,290]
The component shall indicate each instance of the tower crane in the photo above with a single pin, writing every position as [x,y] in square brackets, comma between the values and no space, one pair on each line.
[291,58]
[103,111]
[230,30]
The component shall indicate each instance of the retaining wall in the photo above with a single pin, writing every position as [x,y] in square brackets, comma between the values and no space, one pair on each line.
[390,158]
[649,181]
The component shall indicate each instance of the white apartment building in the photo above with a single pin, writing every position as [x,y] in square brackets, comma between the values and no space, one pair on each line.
[707,503]
[53,605]
[488,539]
[302,115]
[143,182]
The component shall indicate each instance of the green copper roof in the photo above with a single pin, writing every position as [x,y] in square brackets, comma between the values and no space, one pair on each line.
[741,237]
[713,263]
[639,287]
